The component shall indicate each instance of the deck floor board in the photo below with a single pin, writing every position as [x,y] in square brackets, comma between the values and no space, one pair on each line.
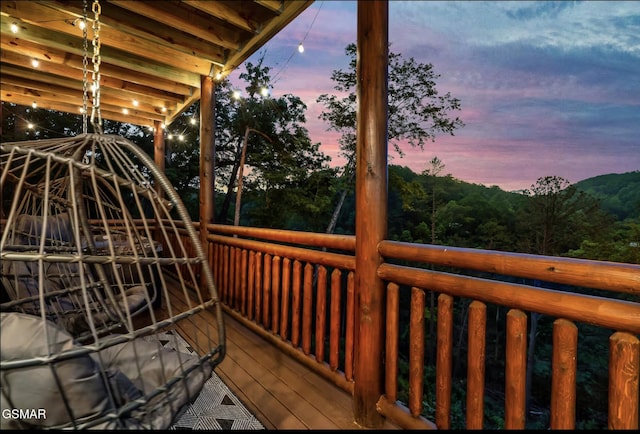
[280,391]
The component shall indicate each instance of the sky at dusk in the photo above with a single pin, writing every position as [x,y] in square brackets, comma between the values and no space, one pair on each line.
[546,88]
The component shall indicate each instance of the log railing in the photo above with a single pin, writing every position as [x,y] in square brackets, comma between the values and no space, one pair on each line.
[620,316]
[296,290]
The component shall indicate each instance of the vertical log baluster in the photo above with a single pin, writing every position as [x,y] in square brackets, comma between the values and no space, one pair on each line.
[296,304]
[251,285]
[515,370]
[391,343]
[477,334]
[350,332]
[624,369]
[243,282]
[334,320]
[258,290]
[563,375]
[275,293]
[266,290]
[416,351]
[321,312]
[444,361]
[286,294]
[307,300]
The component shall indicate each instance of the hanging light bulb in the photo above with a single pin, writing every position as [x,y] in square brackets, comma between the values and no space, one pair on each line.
[301,48]
[35,63]
[264,91]
[193,121]
[135,103]
[237,94]
[14,28]
[125,111]
[34,104]
[30,126]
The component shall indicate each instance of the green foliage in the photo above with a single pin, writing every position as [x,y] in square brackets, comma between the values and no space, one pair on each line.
[416,111]
[282,164]
[619,193]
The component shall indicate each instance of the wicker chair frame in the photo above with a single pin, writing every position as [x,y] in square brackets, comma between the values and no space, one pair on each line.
[97,246]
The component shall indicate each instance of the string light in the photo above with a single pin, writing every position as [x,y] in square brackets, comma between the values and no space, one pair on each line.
[193,121]
[35,63]
[30,126]
[34,104]
[237,94]
[264,92]
[14,28]
[300,46]
[125,111]
[135,103]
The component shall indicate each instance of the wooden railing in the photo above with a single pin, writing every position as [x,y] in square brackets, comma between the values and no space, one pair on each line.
[296,289]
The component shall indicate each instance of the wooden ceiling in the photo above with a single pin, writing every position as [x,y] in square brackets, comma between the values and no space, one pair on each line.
[151,52]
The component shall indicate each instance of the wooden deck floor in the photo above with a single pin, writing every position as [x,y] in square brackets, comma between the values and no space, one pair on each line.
[280,391]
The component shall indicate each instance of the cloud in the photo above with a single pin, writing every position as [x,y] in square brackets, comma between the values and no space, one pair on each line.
[546,88]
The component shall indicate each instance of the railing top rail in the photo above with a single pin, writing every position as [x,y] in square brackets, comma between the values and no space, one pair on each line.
[330,241]
[611,276]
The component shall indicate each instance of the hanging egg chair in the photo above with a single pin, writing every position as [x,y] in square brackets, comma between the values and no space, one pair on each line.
[101,267]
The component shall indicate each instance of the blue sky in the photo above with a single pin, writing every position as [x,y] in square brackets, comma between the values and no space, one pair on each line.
[546,88]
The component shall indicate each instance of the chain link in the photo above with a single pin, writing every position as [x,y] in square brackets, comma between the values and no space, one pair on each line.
[85,63]
[96,119]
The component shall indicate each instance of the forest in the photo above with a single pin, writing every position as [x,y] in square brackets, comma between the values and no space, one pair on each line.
[270,174]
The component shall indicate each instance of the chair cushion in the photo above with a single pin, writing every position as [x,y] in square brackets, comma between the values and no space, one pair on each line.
[85,388]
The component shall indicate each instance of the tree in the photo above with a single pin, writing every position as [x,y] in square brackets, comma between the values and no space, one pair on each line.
[435,167]
[417,112]
[559,217]
[278,152]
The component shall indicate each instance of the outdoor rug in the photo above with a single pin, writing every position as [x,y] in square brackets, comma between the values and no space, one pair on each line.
[216,407]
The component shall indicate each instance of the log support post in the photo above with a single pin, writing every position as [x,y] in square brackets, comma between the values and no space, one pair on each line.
[371,208]
[207,161]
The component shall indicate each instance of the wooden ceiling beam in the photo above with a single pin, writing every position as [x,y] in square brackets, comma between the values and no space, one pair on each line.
[275,6]
[45,97]
[153,51]
[112,86]
[170,14]
[139,26]
[108,55]
[66,107]
[21,53]
[58,21]
[35,87]
[225,13]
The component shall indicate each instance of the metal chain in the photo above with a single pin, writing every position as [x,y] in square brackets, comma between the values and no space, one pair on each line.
[85,63]
[96,119]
